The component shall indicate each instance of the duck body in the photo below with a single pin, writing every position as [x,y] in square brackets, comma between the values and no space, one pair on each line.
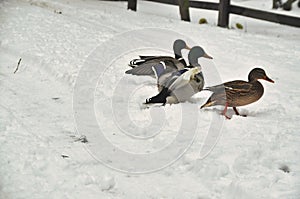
[238,93]
[194,85]
[179,86]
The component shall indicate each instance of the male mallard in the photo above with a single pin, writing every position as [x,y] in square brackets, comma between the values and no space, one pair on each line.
[144,65]
[238,93]
[181,85]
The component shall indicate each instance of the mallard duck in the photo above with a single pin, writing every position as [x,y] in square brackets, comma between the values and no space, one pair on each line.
[144,65]
[238,93]
[180,85]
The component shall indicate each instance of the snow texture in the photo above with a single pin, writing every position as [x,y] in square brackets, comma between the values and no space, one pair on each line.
[42,153]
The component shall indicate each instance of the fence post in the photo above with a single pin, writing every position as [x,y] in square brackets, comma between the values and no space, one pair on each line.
[224,10]
[132,5]
[184,9]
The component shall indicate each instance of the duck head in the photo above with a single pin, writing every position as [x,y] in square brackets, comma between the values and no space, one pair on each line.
[178,45]
[258,73]
[195,53]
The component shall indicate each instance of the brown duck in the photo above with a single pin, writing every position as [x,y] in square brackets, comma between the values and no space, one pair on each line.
[238,93]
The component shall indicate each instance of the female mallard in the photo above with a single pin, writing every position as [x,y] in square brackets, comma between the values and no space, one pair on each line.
[179,86]
[144,65]
[238,93]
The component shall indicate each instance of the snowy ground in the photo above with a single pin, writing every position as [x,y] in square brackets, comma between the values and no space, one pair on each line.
[37,118]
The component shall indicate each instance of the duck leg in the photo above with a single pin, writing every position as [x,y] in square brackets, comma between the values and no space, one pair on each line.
[237,113]
[225,110]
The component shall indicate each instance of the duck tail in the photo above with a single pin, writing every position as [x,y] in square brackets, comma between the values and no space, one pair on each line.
[206,89]
[208,103]
[160,97]
[136,62]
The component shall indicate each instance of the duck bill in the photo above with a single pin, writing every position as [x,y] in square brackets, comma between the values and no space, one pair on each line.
[207,56]
[187,47]
[268,79]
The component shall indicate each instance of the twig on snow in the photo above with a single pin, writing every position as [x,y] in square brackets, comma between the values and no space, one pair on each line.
[82,139]
[18,65]
[64,156]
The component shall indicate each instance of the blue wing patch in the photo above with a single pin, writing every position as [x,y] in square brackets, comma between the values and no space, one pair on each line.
[159,69]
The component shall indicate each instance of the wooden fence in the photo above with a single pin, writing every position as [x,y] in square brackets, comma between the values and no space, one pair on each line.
[225,9]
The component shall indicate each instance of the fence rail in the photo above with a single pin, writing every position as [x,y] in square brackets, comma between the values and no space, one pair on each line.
[267,16]
[225,9]
[204,5]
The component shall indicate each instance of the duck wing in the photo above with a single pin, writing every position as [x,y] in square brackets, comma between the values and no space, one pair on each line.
[146,56]
[144,67]
[184,78]
[238,86]
[159,70]
[233,86]
[148,59]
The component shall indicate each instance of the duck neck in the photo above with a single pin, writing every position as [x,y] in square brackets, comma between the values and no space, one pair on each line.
[178,56]
[181,60]
[251,78]
[258,87]
[177,51]
[193,65]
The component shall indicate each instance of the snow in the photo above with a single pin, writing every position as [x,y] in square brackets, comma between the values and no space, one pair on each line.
[174,151]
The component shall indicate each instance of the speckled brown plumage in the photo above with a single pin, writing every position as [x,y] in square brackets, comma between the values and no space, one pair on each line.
[238,93]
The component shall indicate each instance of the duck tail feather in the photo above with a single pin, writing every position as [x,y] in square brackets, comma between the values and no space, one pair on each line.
[136,62]
[208,103]
[161,97]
